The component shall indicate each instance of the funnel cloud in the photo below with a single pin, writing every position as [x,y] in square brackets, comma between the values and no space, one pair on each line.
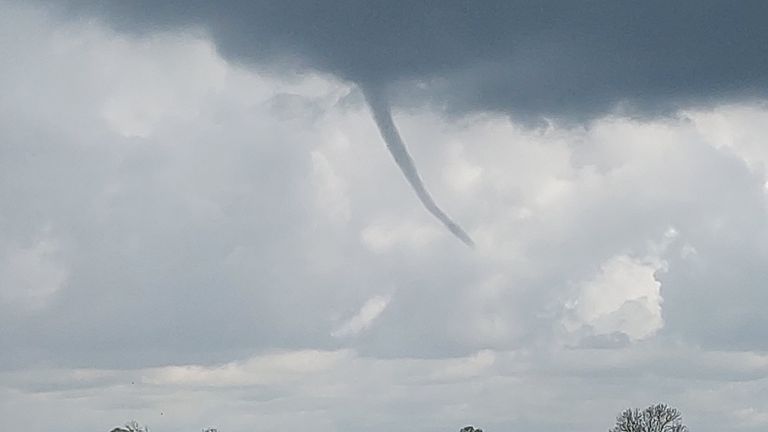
[382,114]
[571,62]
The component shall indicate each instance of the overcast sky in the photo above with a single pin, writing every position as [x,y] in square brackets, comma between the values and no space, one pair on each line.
[200,224]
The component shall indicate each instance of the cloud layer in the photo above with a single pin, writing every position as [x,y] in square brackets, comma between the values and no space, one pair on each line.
[556,59]
[188,241]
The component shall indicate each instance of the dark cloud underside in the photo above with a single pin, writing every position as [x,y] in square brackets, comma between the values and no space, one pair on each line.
[572,60]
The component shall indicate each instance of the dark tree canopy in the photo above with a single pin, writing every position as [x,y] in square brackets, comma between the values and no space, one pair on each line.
[655,418]
[131,426]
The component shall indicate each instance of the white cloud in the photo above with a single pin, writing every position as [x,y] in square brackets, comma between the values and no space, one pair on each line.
[737,128]
[258,370]
[624,297]
[364,318]
[331,191]
[382,236]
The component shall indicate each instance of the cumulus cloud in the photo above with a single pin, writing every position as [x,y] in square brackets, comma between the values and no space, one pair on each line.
[624,297]
[185,236]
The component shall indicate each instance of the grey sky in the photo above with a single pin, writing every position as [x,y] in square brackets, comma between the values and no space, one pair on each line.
[200,226]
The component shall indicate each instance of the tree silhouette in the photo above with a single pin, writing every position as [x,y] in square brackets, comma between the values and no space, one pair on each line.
[131,426]
[655,418]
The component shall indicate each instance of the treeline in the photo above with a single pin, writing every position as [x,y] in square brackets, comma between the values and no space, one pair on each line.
[655,418]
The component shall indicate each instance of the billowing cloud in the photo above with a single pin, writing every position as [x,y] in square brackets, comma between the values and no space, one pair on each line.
[624,298]
[553,58]
[181,237]
[537,61]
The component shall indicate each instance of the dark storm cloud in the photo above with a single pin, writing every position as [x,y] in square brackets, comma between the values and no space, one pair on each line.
[561,59]
[564,59]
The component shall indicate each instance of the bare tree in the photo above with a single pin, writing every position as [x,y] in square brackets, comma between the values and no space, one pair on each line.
[470,429]
[655,418]
[131,426]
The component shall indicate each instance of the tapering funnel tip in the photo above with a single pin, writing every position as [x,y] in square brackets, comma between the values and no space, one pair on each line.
[382,114]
